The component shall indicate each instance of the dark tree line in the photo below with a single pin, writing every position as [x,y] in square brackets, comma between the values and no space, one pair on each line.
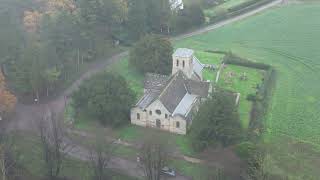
[37,62]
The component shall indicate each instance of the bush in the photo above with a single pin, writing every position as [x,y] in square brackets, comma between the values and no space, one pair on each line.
[105,97]
[245,149]
[232,59]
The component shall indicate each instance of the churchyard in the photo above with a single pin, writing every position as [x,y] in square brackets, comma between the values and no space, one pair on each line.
[234,78]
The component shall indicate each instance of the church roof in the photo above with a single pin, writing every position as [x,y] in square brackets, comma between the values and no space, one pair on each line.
[199,88]
[177,94]
[185,105]
[197,66]
[183,52]
[173,93]
[148,98]
[155,81]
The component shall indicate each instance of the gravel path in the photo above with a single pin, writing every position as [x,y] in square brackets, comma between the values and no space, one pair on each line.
[27,114]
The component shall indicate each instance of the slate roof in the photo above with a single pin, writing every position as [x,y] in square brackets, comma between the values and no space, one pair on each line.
[185,105]
[147,99]
[197,66]
[183,52]
[199,88]
[176,93]
[155,81]
[173,93]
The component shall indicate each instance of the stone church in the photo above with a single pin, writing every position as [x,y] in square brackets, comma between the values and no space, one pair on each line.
[169,102]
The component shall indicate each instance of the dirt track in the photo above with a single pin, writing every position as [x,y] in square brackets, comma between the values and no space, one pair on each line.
[27,114]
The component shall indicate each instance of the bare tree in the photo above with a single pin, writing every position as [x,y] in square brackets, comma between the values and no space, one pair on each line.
[154,155]
[54,146]
[7,161]
[100,156]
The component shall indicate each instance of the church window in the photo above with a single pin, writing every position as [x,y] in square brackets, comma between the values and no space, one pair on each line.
[138,116]
[150,112]
[177,62]
[183,63]
[166,116]
[177,124]
[158,111]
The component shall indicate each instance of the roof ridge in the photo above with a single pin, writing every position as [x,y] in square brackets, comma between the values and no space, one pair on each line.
[166,87]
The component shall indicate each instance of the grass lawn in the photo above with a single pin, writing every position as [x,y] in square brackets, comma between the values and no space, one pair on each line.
[195,171]
[230,79]
[134,134]
[133,77]
[209,58]
[286,37]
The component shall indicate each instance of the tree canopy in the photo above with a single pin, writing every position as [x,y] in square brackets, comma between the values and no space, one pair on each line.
[152,54]
[105,97]
[7,99]
[216,121]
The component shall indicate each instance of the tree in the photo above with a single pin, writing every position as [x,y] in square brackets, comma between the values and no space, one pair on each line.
[152,54]
[158,15]
[190,16]
[7,100]
[137,18]
[8,163]
[216,121]
[105,97]
[54,148]
[154,156]
[100,156]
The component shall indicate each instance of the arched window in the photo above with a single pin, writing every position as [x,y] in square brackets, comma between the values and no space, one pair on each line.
[158,111]
[183,64]
[138,116]
[177,124]
[177,62]
[158,123]
[150,112]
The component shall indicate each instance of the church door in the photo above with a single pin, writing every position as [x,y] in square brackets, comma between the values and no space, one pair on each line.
[158,123]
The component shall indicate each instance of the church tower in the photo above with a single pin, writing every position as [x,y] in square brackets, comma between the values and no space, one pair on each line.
[182,59]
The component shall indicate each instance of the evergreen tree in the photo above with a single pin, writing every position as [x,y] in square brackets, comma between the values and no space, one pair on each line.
[105,97]
[152,54]
[216,121]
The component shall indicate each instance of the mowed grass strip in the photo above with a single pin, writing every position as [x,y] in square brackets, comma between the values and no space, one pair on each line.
[286,37]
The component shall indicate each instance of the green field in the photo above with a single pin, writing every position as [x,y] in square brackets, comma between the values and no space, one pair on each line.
[288,38]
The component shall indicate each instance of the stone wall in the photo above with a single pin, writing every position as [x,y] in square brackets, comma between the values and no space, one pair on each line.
[157,116]
[183,64]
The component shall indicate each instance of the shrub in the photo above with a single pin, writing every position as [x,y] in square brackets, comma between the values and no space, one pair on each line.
[245,149]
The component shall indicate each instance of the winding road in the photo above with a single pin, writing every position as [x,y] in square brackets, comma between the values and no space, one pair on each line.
[27,114]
